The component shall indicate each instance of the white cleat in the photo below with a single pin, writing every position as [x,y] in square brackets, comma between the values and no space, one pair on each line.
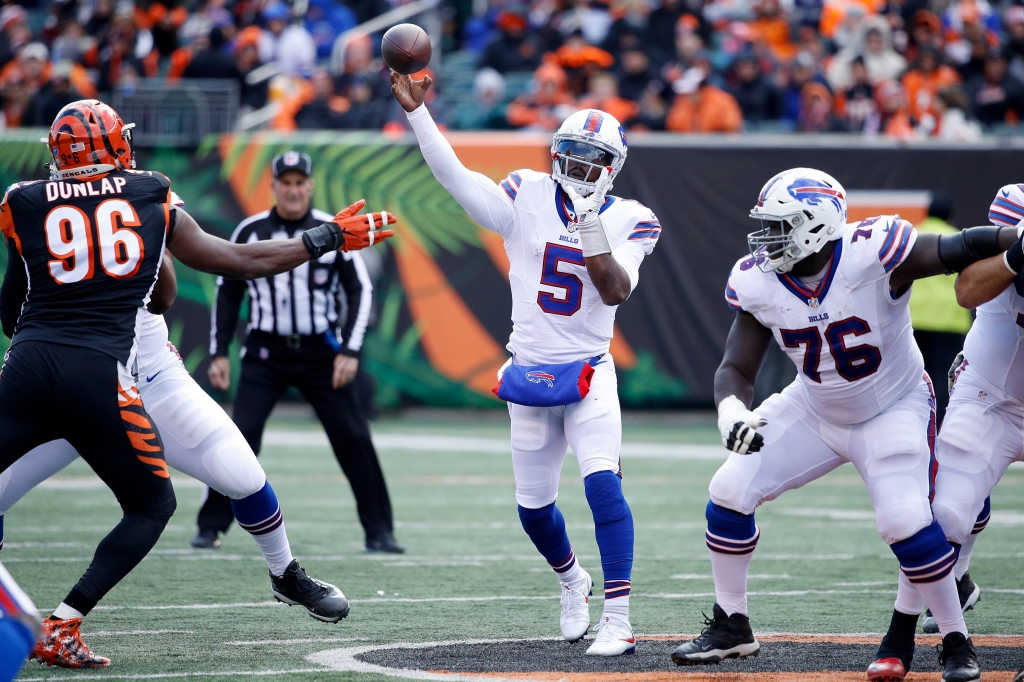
[614,637]
[575,619]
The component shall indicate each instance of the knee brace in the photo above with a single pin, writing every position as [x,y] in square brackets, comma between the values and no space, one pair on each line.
[613,527]
[730,532]
[259,513]
[926,556]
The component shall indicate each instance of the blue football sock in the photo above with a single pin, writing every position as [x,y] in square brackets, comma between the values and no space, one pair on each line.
[613,526]
[546,527]
[260,515]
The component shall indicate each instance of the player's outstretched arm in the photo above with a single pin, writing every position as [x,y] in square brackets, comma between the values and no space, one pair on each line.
[166,289]
[481,197]
[934,254]
[745,351]
[253,260]
[983,281]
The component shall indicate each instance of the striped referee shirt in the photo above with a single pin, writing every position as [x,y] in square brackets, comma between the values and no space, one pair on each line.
[306,301]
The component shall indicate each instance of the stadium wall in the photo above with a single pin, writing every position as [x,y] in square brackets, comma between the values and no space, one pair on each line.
[442,313]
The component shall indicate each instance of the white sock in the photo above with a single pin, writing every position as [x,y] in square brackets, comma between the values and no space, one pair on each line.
[908,598]
[730,573]
[964,561]
[942,599]
[617,607]
[276,549]
[63,612]
[573,574]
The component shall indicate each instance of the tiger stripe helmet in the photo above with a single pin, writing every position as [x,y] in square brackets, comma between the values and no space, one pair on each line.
[88,138]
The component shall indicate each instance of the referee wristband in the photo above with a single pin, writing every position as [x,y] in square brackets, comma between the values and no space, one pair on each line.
[1014,256]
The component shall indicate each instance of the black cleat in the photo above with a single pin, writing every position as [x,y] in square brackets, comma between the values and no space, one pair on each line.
[723,637]
[896,652]
[969,593]
[957,658]
[206,538]
[323,600]
[383,543]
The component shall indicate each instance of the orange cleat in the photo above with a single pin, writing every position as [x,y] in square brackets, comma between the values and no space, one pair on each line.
[886,670]
[60,644]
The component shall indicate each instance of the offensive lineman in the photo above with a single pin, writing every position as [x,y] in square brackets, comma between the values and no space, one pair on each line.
[834,296]
[574,256]
[90,241]
[981,434]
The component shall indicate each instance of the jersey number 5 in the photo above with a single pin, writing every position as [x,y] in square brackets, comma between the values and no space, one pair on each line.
[69,236]
[570,284]
[852,363]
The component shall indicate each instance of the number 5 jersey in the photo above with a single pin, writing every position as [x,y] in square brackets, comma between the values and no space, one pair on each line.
[91,250]
[557,312]
[848,334]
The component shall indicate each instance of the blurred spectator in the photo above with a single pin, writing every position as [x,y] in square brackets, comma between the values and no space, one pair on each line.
[689,50]
[325,21]
[882,62]
[807,13]
[636,74]
[628,31]
[848,34]
[924,80]
[587,17]
[100,20]
[547,105]
[247,60]
[664,23]
[290,45]
[758,98]
[361,66]
[165,27]
[701,107]
[802,70]
[773,29]
[487,110]
[603,94]
[817,114]
[33,63]
[953,117]
[892,115]
[55,95]
[925,30]
[1013,20]
[211,61]
[996,96]
[581,61]
[858,99]
[14,32]
[120,58]
[325,110]
[71,44]
[515,48]
[653,109]
[15,95]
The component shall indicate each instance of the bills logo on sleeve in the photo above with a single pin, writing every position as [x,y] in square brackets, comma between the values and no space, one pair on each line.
[541,378]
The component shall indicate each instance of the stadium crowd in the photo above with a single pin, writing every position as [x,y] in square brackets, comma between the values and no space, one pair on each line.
[908,69]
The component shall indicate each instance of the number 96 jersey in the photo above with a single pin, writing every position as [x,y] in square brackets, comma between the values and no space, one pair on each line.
[557,312]
[91,250]
[850,338]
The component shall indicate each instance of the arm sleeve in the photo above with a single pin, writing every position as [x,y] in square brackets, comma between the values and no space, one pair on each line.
[354,280]
[629,256]
[483,200]
[13,291]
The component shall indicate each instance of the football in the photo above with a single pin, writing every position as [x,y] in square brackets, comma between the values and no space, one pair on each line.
[406,48]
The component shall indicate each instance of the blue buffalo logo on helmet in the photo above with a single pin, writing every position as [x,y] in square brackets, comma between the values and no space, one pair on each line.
[813,192]
[541,378]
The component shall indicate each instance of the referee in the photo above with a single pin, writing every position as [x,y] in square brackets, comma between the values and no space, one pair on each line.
[296,338]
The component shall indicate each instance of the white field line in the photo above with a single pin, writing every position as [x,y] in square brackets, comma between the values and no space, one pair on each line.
[287,642]
[421,442]
[134,633]
[165,676]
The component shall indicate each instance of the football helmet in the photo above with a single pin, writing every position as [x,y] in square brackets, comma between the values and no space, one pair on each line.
[800,210]
[88,138]
[1007,209]
[586,142]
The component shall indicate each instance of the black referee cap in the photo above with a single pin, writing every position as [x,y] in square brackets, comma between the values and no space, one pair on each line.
[292,161]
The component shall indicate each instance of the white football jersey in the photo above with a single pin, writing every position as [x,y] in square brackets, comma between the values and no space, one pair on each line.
[155,349]
[851,341]
[557,312]
[995,345]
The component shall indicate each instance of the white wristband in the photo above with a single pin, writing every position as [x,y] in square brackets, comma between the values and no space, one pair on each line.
[593,238]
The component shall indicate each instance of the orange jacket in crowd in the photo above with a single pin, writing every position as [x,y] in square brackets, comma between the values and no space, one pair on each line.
[922,88]
[714,111]
[775,32]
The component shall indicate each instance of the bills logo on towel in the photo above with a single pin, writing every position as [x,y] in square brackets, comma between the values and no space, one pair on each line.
[541,378]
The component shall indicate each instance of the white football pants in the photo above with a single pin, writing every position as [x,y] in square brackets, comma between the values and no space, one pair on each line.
[540,435]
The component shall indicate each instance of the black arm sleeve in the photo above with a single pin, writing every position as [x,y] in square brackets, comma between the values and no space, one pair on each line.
[355,285]
[957,251]
[13,291]
[225,314]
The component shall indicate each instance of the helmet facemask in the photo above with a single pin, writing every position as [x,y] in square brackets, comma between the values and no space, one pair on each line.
[776,246]
[578,161]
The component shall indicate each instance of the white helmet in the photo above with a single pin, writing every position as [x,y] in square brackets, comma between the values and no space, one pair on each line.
[800,210]
[592,139]
[1008,206]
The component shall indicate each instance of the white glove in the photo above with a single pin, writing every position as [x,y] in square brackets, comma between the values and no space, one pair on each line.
[738,426]
[593,238]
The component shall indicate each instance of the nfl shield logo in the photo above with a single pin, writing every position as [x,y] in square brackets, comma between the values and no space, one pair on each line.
[320,276]
[291,158]
[264,353]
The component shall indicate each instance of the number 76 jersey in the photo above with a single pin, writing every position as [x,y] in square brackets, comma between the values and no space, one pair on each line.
[849,336]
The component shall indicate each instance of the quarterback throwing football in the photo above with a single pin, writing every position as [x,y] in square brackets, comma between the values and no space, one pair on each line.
[834,297]
[574,254]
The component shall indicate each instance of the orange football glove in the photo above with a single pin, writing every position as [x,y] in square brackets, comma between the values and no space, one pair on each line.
[359,231]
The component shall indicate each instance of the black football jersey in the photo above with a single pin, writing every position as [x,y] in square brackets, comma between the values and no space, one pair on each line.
[91,250]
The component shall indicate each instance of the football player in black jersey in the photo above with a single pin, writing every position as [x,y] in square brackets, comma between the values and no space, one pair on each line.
[91,240]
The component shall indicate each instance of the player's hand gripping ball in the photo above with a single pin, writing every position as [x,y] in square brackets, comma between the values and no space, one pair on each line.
[406,48]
